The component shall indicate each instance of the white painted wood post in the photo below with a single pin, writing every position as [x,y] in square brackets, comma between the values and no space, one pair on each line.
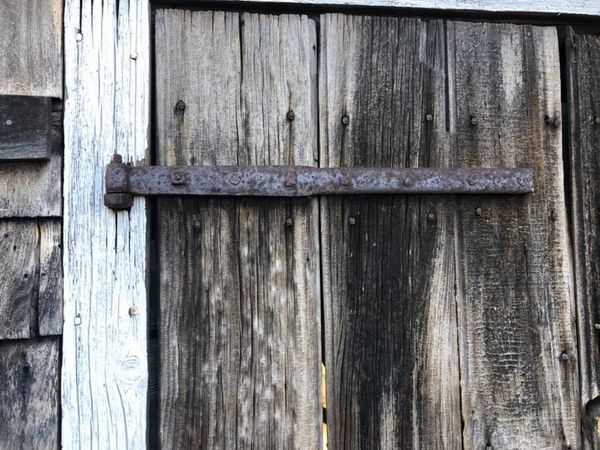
[104,372]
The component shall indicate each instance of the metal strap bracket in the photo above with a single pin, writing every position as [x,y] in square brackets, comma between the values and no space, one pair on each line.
[124,181]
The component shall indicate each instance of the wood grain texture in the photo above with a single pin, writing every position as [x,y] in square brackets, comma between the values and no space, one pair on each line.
[19,260]
[29,394]
[107,98]
[31,47]
[34,188]
[388,261]
[50,297]
[25,124]
[518,338]
[583,64]
[240,319]
[526,7]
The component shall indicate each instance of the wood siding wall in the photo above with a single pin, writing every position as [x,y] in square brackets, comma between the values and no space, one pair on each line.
[448,322]
[30,235]
[444,323]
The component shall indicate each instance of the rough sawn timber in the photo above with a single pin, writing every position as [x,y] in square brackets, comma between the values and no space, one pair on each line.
[388,261]
[516,310]
[583,66]
[104,369]
[240,304]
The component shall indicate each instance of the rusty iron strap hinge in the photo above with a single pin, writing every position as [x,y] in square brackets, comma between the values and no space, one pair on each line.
[124,181]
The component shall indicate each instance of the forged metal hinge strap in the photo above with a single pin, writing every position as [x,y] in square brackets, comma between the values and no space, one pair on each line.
[124,181]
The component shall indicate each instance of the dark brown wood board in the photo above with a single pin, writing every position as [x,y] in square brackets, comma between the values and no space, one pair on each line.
[240,295]
[25,124]
[583,66]
[516,311]
[388,261]
[29,394]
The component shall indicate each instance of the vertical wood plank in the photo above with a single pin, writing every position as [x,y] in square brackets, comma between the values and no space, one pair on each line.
[516,311]
[240,319]
[388,261]
[104,374]
[19,260]
[31,47]
[29,396]
[50,298]
[583,64]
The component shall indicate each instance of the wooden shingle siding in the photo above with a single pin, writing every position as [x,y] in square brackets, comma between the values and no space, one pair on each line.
[240,298]
[34,188]
[583,66]
[19,259]
[30,225]
[50,301]
[30,279]
[29,394]
[388,261]
[31,47]
[516,310]
[31,56]
[25,124]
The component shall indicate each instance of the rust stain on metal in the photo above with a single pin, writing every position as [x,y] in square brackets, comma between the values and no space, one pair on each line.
[301,181]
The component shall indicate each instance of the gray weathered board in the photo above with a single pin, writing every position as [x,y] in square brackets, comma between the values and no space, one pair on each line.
[34,188]
[388,261]
[31,47]
[240,297]
[25,124]
[30,286]
[31,55]
[396,277]
[516,311]
[30,246]
[29,394]
[448,322]
[583,66]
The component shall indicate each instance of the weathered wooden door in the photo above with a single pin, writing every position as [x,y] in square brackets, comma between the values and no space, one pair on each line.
[443,321]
